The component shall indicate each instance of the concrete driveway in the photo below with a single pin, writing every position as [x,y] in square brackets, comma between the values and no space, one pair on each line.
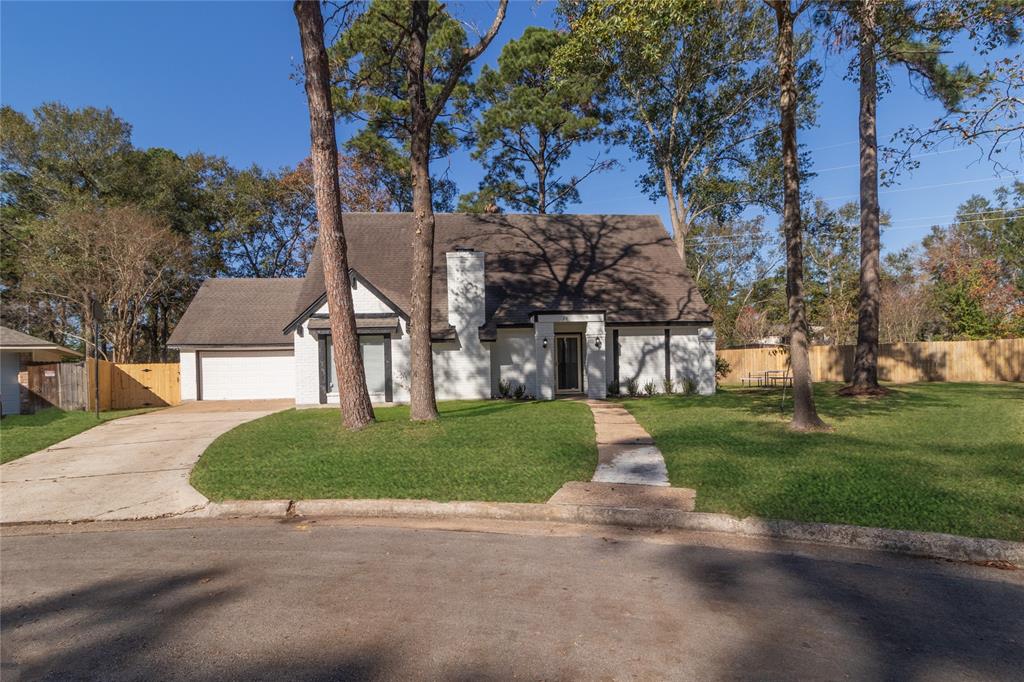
[130,468]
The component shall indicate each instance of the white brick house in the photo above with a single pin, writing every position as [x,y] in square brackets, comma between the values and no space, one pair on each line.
[561,305]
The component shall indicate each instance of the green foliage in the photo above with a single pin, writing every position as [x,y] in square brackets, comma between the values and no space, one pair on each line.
[477,450]
[668,386]
[530,123]
[976,269]
[633,387]
[832,270]
[689,386]
[252,222]
[722,368]
[650,389]
[370,86]
[613,388]
[694,93]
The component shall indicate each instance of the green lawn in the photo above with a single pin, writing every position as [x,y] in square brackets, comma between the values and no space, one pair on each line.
[934,457]
[478,450]
[23,434]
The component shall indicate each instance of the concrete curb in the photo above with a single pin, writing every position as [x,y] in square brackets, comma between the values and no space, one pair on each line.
[914,543]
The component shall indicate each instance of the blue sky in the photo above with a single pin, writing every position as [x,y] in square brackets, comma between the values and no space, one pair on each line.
[215,77]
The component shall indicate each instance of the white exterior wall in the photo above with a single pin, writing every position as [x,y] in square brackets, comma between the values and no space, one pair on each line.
[462,368]
[10,363]
[307,353]
[693,358]
[642,356]
[514,359]
[187,371]
[706,373]
[545,359]
[307,366]
[596,376]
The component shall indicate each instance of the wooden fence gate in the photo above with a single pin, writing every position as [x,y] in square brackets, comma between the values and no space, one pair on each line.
[128,385]
[144,385]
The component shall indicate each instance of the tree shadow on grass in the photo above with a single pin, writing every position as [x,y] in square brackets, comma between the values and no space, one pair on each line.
[43,417]
[460,411]
[765,470]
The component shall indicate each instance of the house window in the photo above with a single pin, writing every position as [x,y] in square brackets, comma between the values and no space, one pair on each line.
[374,351]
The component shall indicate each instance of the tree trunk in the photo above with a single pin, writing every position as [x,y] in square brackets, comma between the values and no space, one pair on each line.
[865,366]
[356,411]
[423,404]
[679,228]
[805,416]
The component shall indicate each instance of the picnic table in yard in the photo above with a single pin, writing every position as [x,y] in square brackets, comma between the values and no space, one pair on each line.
[768,378]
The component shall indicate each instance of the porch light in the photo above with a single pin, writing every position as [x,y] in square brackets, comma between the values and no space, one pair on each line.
[545,344]
[597,342]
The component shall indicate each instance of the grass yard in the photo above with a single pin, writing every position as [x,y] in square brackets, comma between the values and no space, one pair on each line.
[23,434]
[478,450]
[933,457]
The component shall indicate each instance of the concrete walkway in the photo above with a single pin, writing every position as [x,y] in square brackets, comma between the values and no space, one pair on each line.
[626,452]
[130,468]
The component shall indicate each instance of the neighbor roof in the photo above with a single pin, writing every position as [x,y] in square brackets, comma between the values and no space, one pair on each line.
[11,339]
[624,265]
[228,312]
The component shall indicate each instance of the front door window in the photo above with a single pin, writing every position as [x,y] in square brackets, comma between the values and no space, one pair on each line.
[567,362]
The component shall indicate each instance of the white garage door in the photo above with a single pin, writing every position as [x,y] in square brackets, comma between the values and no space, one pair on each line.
[246,375]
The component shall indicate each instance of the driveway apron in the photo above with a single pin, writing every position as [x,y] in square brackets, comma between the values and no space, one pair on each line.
[130,468]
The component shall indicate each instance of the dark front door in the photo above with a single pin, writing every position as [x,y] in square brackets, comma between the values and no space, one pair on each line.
[567,363]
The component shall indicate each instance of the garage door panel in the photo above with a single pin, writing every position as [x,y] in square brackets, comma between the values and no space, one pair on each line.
[246,375]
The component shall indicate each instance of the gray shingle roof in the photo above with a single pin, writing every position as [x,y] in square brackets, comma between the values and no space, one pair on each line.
[624,265]
[238,312]
[13,339]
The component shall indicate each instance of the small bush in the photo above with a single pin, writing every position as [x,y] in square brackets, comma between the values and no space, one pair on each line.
[650,388]
[722,368]
[613,388]
[669,386]
[689,386]
[504,389]
[519,392]
[632,387]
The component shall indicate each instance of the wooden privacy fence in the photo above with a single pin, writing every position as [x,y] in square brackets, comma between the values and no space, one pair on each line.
[55,384]
[901,363]
[127,385]
[69,385]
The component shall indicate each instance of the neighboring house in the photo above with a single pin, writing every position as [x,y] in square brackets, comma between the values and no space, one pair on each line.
[562,304]
[17,350]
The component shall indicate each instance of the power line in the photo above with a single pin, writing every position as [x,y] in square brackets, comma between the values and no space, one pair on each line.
[920,187]
[916,156]
[768,237]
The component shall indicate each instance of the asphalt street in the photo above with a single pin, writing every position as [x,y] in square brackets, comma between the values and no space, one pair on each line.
[221,600]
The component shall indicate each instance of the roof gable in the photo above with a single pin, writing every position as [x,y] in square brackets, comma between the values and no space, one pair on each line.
[624,265]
